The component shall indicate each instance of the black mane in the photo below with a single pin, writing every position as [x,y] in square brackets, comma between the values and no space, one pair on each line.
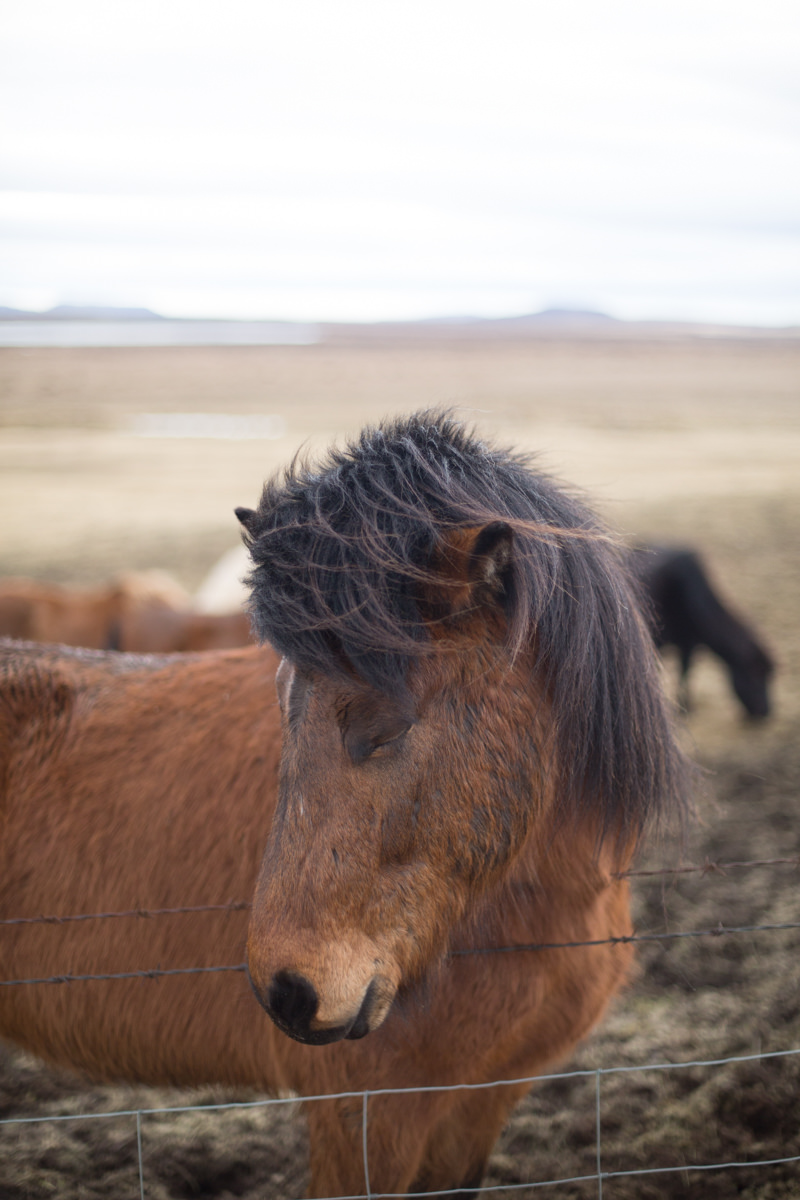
[342,549]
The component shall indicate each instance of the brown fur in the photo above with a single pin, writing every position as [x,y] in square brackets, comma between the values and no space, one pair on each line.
[167,630]
[153,782]
[83,616]
[471,740]
[143,612]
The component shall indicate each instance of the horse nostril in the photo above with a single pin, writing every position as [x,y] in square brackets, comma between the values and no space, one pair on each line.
[292,1001]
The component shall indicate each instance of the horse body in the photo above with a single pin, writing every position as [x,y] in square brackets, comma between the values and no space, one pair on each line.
[471,737]
[686,612]
[117,794]
[142,612]
[109,806]
[158,630]
[86,616]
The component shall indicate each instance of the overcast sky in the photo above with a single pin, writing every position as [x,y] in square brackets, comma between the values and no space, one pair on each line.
[365,159]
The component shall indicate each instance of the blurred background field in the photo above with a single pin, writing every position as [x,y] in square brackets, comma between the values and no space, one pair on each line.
[678,437]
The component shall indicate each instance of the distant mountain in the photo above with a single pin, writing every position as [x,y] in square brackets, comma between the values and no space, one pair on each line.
[548,316]
[550,322]
[564,316]
[80,312]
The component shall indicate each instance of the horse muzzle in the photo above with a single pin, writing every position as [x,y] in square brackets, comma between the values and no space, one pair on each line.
[293,1004]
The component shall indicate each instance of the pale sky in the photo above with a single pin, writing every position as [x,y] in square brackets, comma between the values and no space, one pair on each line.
[355,159]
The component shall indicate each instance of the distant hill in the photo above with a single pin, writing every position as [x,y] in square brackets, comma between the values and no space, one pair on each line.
[551,323]
[80,312]
[566,316]
[548,316]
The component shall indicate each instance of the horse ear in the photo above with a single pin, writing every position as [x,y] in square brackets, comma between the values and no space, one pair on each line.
[490,559]
[246,517]
[475,565]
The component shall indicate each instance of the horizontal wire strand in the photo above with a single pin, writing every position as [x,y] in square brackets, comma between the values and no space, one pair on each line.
[526,947]
[598,1176]
[154,973]
[706,868]
[233,906]
[422,1089]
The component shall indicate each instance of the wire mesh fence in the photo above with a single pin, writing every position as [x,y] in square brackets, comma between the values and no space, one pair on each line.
[598,1177]
[604,1172]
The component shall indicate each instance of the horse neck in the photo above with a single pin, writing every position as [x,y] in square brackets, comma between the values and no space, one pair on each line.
[562,881]
[720,629]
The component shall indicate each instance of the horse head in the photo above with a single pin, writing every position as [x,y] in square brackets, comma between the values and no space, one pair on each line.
[464,672]
[397,807]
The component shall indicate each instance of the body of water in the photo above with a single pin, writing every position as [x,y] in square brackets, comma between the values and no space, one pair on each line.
[157,333]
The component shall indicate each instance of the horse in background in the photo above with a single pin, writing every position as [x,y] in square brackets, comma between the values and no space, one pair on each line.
[84,616]
[166,631]
[224,589]
[145,612]
[685,611]
[472,740]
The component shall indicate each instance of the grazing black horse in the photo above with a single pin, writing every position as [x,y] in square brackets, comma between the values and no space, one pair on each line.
[685,611]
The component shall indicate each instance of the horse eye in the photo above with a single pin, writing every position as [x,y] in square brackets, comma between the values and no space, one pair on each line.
[369,736]
[388,743]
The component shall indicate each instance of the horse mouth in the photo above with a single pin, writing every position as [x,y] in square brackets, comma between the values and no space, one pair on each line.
[291,1003]
[374,1008]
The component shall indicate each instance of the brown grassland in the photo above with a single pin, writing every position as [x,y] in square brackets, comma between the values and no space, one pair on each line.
[679,438]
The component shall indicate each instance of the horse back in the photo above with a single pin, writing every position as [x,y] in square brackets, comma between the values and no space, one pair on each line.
[130,783]
[102,720]
[686,611]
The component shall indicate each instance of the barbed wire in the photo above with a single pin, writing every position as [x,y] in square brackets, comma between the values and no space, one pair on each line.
[231,906]
[716,931]
[150,973]
[719,930]
[708,867]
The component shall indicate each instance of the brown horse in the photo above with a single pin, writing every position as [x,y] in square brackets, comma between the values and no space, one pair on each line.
[473,738]
[85,616]
[161,630]
[144,612]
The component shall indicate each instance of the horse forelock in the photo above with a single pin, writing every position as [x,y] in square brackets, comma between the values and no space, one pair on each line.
[344,550]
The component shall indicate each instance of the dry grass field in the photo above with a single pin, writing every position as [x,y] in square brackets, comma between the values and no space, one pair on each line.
[680,439]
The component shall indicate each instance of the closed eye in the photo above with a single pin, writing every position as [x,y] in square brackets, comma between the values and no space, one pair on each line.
[389,742]
[362,745]
[372,724]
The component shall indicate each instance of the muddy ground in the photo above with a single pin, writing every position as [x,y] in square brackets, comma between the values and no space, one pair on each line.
[688,440]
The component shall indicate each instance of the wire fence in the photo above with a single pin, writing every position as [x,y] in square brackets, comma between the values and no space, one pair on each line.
[715,931]
[597,1177]
[707,867]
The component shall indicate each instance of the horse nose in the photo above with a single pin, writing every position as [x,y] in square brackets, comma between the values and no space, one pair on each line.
[292,1002]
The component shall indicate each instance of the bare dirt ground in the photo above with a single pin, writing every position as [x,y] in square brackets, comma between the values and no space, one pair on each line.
[686,440]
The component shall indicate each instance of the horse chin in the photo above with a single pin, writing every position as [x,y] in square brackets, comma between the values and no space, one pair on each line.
[374,1007]
[314,1037]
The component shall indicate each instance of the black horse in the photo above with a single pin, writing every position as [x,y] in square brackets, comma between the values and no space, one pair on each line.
[684,611]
